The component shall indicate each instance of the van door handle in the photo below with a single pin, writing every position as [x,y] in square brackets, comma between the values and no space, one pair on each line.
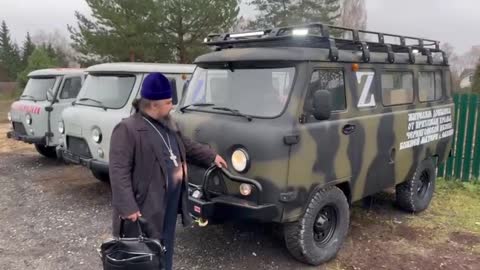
[348,129]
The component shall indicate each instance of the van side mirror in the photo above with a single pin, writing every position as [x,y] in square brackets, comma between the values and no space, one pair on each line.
[322,105]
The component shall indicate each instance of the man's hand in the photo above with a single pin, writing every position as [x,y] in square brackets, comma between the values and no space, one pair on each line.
[220,162]
[133,217]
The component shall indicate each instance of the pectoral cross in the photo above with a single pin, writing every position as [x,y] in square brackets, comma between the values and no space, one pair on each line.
[173,158]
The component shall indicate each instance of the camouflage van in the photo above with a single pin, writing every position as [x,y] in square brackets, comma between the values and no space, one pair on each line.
[312,118]
[35,115]
[104,100]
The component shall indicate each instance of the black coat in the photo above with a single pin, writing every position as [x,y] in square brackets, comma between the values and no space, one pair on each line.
[138,172]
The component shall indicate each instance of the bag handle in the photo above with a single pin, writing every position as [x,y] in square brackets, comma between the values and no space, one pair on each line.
[141,235]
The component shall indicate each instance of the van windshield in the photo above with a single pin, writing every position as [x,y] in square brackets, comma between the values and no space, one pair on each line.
[259,92]
[37,88]
[107,91]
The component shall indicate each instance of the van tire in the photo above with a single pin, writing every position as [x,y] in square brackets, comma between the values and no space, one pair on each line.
[416,194]
[101,176]
[46,151]
[317,245]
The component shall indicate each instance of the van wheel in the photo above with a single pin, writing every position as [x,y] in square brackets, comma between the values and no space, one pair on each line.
[319,234]
[46,151]
[103,177]
[415,194]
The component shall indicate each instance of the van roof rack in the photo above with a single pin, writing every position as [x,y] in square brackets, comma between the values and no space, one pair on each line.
[334,38]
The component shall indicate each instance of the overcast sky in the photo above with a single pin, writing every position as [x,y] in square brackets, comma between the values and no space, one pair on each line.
[453,21]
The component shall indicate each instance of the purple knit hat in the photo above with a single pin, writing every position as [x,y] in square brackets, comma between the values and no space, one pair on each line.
[156,87]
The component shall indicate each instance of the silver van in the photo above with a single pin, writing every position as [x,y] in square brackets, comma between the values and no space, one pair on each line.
[104,100]
[35,115]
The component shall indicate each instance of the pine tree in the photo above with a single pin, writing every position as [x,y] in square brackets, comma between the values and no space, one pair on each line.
[27,50]
[150,30]
[323,11]
[9,52]
[274,13]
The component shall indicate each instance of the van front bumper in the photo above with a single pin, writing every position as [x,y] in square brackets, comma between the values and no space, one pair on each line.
[92,164]
[226,207]
[27,138]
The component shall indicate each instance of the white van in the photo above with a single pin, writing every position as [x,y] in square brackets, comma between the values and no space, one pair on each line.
[35,115]
[104,100]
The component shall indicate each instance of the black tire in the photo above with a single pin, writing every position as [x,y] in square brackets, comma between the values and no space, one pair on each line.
[101,176]
[317,245]
[416,194]
[46,151]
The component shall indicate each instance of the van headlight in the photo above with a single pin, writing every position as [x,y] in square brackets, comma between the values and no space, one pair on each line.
[240,160]
[96,135]
[9,116]
[28,119]
[61,127]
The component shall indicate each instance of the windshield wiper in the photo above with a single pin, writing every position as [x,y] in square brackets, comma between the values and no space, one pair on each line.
[182,109]
[94,100]
[235,112]
[32,97]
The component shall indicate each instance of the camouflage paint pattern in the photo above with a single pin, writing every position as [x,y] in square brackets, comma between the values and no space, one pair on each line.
[362,163]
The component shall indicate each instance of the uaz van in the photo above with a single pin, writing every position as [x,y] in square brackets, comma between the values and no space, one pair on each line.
[312,118]
[35,115]
[104,100]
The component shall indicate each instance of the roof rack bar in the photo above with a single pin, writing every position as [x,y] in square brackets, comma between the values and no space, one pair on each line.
[333,50]
[445,58]
[428,53]
[330,37]
[411,55]
[390,54]
[325,31]
[365,52]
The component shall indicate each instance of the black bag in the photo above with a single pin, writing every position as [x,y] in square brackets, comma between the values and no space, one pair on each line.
[140,253]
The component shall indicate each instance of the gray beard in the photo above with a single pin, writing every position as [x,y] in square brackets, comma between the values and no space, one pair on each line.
[169,122]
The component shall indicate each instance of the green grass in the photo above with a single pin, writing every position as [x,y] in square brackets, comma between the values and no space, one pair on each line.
[455,207]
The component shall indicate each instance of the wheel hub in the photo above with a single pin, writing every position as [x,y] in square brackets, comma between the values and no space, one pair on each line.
[325,225]
[424,184]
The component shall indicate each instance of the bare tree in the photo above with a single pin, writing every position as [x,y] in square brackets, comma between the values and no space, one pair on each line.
[59,41]
[354,14]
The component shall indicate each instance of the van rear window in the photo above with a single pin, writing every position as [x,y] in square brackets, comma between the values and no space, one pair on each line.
[397,88]
[430,86]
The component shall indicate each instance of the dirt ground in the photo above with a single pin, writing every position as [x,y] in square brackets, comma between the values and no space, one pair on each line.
[4,109]
[55,216]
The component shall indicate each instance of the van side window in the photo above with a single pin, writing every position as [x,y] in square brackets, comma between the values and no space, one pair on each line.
[430,86]
[71,87]
[330,80]
[397,88]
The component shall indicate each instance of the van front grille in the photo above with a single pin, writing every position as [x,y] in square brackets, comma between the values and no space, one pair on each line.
[19,128]
[78,146]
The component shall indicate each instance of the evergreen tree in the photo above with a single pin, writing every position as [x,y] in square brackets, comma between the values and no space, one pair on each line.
[188,22]
[150,30]
[27,50]
[323,11]
[274,13]
[9,52]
